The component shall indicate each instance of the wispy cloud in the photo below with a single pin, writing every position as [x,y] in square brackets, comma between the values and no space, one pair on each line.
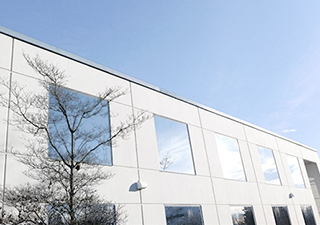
[289,130]
[299,96]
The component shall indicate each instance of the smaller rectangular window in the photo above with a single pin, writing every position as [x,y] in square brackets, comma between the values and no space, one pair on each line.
[242,215]
[281,215]
[230,158]
[308,215]
[186,215]
[269,166]
[295,171]
[174,147]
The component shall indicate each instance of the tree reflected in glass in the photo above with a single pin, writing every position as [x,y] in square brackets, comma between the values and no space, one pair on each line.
[281,215]
[176,215]
[242,215]
[308,215]
[173,146]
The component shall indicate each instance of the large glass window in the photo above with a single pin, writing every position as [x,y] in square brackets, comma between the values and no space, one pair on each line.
[269,166]
[230,158]
[186,215]
[173,146]
[89,118]
[308,215]
[281,215]
[242,215]
[295,171]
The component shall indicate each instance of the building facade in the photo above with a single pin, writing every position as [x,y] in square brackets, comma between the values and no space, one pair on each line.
[187,164]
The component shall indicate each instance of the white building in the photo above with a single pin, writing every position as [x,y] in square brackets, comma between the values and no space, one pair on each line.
[191,158]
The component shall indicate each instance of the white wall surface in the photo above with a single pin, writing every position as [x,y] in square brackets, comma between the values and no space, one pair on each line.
[5,51]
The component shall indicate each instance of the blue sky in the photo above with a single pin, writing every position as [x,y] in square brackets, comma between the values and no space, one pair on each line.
[256,60]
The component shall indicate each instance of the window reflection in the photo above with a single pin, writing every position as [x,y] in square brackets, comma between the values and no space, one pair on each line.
[182,215]
[295,171]
[269,167]
[230,158]
[173,146]
[93,130]
[281,215]
[308,215]
[242,215]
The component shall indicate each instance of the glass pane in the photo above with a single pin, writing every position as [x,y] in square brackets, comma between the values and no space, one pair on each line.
[295,171]
[94,128]
[242,215]
[173,146]
[281,215]
[230,158]
[269,166]
[308,215]
[183,215]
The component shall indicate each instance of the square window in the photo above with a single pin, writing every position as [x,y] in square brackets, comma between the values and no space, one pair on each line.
[186,215]
[230,158]
[88,117]
[308,215]
[269,166]
[295,171]
[281,215]
[242,215]
[174,148]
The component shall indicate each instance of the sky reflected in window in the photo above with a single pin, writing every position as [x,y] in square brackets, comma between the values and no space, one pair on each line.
[295,171]
[174,148]
[230,158]
[269,166]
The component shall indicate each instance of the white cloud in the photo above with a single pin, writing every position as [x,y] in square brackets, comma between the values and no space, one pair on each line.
[289,130]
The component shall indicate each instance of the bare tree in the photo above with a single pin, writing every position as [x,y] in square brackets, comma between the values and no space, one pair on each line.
[71,138]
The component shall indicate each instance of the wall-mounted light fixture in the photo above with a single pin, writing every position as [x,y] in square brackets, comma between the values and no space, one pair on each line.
[141,185]
[291,195]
